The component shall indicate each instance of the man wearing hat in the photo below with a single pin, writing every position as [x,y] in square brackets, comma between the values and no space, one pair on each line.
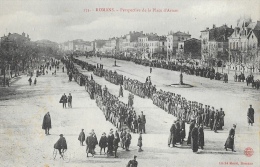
[133,163]
[221,118]
[90,144]
[81,137]
[230,140]
[103,143]
[110,139]
[211,118]
[250,115]
[46,124]
[61,144]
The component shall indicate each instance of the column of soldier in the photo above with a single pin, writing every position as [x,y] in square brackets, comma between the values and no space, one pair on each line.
[138,88]
[118,113]
[189,111]
[198,71]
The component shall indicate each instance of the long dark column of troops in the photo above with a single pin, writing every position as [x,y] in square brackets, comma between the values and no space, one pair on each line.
[170,102]
[115,111]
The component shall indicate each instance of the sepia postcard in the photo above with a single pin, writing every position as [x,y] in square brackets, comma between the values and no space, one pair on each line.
[127,83]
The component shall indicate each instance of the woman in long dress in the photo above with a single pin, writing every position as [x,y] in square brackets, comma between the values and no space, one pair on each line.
[230,140]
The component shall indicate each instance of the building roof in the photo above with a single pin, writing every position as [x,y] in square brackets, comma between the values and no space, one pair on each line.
[220,34]
[181,33]
[257,34]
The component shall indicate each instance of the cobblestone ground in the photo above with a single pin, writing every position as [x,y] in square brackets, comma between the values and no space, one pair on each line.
[23,142]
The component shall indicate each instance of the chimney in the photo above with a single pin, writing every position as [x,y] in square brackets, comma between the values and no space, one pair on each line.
[207,28]
[231,26]
[214,26]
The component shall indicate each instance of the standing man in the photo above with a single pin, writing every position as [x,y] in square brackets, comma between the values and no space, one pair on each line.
[172,136]
[30,81]
[121,91]
[46,125]
[63,100]
[201,136]
[221,118]
[250,115]
[194,139]
[143,121]
[35,81]
[230,140]
[90,142]
[81,137]
[115,144]
[103,143]
[70,101]
[132,163]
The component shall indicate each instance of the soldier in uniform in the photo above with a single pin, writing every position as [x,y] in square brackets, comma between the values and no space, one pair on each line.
[143,121]
[81,137]
[172,137]
[230,140]
[250,115]
[201,136]
[194,138]
[221,118]
[216,121]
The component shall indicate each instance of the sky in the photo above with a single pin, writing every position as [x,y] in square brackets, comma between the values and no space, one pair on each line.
[63,20]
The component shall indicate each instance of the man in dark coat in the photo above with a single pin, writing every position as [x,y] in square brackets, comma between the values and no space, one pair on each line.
[201,136]
[250,115]
[46,124]
[143,122]
[63,100]
[172,137]
[230,140]
[110,139]
[103,143]
[221,118]
[61,144]
[211,118]
[194,138]
[190,130]
[70,101]
[178,131]
[115,144]
[128,141]
[182,133]
[30,81]
[90,143]
[216,121]
[121,91]
[81,137]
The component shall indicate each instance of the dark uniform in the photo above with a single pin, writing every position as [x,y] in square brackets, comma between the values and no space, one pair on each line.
[250,115]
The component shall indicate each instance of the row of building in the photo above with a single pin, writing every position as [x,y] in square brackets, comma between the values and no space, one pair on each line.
[236,47]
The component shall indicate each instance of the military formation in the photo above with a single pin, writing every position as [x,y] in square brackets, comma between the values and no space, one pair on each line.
[124,117]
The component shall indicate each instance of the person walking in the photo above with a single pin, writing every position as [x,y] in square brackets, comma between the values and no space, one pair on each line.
[81,137]
[140,142]
[35,81]
[70,101]
[250,115]
[46,124]
[103,143]
[231,139]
